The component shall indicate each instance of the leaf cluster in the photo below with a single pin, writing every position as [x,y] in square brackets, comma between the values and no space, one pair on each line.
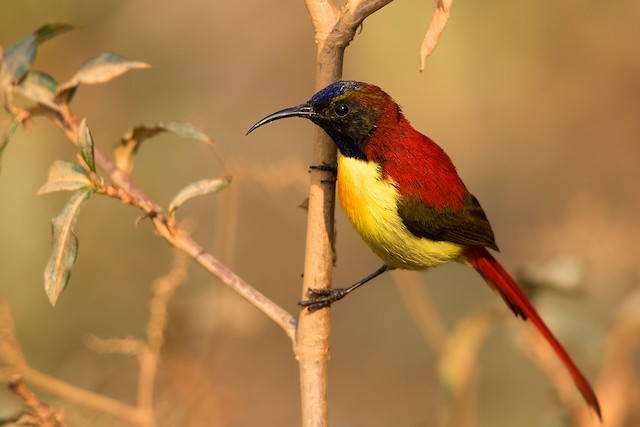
[46,96]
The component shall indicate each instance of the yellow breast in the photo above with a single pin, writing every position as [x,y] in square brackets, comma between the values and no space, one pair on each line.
[369,202]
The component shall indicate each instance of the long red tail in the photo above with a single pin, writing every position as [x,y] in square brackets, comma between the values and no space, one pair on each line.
[493,273]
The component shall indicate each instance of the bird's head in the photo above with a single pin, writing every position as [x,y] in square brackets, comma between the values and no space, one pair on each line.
[348,111]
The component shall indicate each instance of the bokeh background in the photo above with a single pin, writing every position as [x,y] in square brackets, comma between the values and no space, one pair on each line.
[538,105]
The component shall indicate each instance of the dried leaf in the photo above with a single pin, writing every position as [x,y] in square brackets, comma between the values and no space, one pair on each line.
[99,69]
[560,274]
[85,143]
[18,60]
[198,188]
[438,22]
[39,87]
[130,143]
[65,246]
[65,176]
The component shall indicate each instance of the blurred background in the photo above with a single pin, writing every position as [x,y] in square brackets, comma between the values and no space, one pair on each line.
[537,104]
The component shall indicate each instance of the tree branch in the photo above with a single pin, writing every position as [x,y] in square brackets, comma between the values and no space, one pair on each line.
[167,228]
[11,354]
[334,29]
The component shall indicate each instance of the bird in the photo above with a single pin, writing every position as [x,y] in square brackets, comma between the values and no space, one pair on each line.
[404,197]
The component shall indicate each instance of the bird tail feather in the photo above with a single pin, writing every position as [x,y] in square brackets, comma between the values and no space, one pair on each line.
[496,276]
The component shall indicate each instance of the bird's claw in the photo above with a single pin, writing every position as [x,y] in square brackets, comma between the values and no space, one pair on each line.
[322,298]
[324,166]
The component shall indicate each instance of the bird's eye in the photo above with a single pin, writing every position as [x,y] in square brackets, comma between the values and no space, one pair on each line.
[342,110]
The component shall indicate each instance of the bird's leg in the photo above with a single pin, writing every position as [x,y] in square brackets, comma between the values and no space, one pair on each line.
[322,298]
[327,167]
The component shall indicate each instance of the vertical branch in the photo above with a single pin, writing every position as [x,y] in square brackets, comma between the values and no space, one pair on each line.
[312,344]
[163,289]
[334,29]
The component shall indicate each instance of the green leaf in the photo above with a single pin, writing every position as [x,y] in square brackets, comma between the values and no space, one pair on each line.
[19,58]
[198,188]
[186,130]
[50,30]
[99,69]
[130,143]
[39,87]
[85,143]
[65,246]
[65,176]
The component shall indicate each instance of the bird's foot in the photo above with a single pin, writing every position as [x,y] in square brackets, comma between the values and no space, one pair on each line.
[322,298]
[324,166]
[327,167]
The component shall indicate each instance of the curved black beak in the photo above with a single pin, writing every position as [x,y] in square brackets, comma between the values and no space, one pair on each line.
[302,110]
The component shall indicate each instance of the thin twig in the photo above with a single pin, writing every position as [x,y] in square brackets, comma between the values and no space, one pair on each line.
[83,397]
[421,308]
[11,354]
[167,228]
[163,289]
[10,351]
[43,414]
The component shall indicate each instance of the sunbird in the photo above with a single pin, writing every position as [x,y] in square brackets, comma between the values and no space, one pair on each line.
[403,195]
